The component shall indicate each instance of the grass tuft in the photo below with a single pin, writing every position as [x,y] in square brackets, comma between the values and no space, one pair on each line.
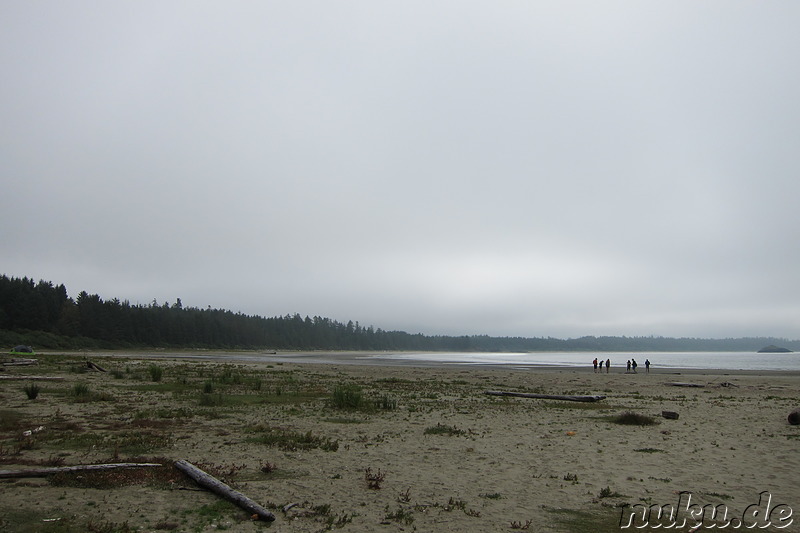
[156,372]
[347,397]
[293,441]
[31,390]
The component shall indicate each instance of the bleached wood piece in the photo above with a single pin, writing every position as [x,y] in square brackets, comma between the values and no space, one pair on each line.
[218,487]
[49,471]
[569,398]
[32,378]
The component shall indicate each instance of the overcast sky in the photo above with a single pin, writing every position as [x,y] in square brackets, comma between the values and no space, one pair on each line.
[560,168]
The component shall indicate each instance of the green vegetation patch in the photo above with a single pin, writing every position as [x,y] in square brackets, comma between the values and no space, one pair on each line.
[128,442]
[629,418]
[289,440]
[81,393]
[607,492]
[348,397]
[210,513]
[400,515]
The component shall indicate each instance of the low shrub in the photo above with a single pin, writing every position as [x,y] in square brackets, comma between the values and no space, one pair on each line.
[347,397]
[156,372]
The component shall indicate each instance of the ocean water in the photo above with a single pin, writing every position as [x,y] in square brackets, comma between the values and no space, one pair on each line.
[658,360]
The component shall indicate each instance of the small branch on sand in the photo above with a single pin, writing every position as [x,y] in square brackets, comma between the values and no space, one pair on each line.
[569,398]
[681,384]
[44,472]
[218,487]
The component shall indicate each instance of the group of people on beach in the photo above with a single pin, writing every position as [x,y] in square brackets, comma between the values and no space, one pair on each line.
[631,366]
[607,363]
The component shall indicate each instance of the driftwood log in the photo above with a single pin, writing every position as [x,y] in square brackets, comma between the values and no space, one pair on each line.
[49,471]
[21,362]
[672,415]
[92,366]
[33,378]
[218,487]
[794,417]
[681,384]
[569,398]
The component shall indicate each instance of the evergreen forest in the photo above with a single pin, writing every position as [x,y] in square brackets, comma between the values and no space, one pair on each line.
[43,315]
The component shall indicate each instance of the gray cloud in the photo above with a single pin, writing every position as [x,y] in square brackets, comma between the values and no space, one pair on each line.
[561,168]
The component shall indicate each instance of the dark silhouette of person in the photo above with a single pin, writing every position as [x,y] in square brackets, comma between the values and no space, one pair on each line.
[608,365]
[633,365]
[601,366]
[629,366]
[647,366]
[595,365]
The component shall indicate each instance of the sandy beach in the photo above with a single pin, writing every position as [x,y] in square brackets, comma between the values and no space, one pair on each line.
[423,448]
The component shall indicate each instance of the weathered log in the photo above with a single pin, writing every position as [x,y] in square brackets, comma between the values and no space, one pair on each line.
[681,384]
[21,362]
[218,487]
[794,417]
[569,398]
[92,366]
[33,378]
[670,414]
[49,471]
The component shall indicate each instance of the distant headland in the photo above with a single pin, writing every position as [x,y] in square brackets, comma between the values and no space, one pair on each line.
[774,349]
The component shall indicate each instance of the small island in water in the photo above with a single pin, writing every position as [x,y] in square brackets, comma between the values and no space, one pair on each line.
[774,349]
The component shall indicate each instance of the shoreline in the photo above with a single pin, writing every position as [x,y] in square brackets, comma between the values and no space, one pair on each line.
[369,359]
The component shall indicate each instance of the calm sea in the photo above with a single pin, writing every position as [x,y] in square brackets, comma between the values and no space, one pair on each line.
[696,360]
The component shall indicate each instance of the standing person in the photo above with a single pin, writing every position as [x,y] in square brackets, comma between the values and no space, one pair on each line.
[595,365]
[601,366]
[647,366]
[608,365]
[633,364]
[628,371]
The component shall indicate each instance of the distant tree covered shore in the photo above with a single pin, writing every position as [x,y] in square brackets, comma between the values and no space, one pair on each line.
[43,315]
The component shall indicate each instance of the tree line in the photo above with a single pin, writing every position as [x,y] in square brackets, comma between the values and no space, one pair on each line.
[44,315]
